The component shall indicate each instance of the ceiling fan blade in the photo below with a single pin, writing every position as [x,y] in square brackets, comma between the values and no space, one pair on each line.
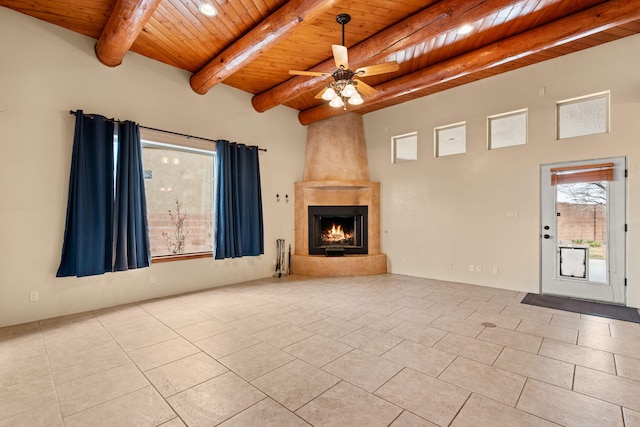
[364,88]
[308,73]
[340,55]
[372,70]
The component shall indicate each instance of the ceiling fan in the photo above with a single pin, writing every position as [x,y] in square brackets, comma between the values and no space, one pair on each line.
[347,87]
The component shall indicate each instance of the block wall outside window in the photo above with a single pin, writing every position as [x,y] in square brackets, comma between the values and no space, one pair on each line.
[178,179]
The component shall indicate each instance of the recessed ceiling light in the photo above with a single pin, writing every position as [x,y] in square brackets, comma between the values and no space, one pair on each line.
[208,9]
[465,29]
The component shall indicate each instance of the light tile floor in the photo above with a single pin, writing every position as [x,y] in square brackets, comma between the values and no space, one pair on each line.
[383,350]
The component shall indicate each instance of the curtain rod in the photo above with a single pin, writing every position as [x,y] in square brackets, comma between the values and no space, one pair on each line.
[73,113]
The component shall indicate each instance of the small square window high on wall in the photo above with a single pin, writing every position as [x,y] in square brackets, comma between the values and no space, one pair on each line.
[586,115]
[507,130]
[450,139]
[404,148]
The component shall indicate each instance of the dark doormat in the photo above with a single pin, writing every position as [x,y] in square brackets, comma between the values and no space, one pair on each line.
[585,307]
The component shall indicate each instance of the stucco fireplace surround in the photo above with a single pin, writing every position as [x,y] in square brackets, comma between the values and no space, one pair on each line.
[336,173]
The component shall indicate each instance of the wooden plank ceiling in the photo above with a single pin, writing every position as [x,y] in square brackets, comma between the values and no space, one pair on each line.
[252,44]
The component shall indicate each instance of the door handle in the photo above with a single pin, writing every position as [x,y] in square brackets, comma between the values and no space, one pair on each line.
[546,236]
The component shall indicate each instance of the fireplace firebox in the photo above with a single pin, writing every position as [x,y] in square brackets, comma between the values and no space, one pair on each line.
[338,230]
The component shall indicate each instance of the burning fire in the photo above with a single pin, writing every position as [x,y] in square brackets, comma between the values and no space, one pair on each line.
[336,234]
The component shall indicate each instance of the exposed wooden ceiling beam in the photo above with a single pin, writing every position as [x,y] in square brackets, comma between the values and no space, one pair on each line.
[123,28]
[440,18]
[263,36]
[573,27]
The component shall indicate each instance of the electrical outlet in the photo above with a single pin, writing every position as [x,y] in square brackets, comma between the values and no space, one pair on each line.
[479,268]
[152,279]
[495,271]
[471,267]
[450,266]
[34,296]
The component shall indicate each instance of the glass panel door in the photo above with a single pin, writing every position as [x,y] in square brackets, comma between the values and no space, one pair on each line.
[583,229]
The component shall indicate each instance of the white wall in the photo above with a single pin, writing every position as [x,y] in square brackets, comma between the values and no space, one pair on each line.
[452,210]
[435,212]
[45,71]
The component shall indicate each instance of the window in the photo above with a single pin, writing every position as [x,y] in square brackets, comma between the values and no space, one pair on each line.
[179,190]
[507,130]
[450,139]
[404,148]
[587,115]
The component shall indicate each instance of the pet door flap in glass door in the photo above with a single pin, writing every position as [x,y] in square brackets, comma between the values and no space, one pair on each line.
[573,262]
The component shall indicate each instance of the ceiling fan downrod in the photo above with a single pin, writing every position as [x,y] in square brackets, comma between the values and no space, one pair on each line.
[343,19]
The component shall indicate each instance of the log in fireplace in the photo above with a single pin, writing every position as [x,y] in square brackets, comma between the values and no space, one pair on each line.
[338,230]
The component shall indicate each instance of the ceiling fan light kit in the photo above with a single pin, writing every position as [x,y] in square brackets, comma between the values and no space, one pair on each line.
[344,88]
[337,102]
[329,94]
[356,99]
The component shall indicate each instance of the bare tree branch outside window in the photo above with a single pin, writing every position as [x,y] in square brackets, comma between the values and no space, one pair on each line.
[176,240]
[584,193]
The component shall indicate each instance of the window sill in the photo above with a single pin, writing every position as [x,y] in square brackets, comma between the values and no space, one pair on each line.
[171,258]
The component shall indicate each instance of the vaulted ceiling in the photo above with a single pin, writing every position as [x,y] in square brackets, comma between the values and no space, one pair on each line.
[252,44]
